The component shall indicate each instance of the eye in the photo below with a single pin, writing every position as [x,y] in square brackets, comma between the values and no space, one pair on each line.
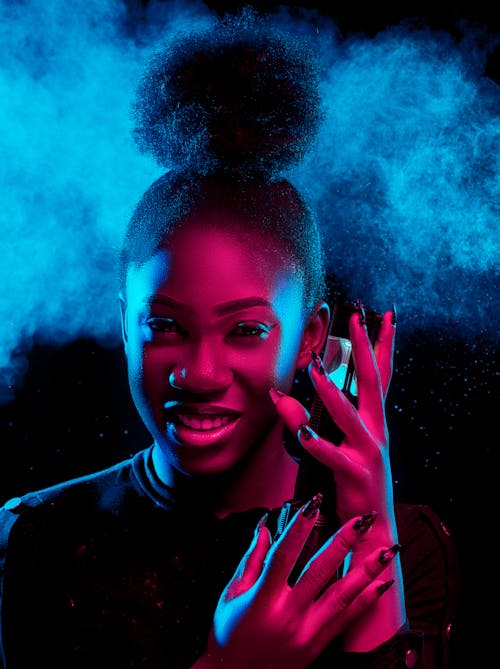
[251,330]
[163,325]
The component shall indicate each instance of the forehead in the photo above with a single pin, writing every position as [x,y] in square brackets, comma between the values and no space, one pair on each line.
[217,259]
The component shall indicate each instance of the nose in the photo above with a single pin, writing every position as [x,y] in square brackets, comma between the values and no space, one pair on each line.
[203,370]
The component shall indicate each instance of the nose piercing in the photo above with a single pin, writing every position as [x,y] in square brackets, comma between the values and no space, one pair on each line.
[176,377]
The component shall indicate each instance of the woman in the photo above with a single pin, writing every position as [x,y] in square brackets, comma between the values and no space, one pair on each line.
[222,285]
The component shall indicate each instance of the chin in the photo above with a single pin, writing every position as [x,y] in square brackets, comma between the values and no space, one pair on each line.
[206,465]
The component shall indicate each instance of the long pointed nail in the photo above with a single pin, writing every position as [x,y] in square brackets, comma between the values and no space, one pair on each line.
[311,508]
[306,432]
[318,363]
[276,394]
[384,587]
[394,316]
[361,313]
[388,554]
[364,523]
[261,524]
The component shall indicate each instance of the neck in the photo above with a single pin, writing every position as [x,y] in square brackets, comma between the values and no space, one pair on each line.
[265,478]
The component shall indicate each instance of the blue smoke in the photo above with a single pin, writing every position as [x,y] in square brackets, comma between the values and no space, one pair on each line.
[409,187]
[70,171]
[404,175]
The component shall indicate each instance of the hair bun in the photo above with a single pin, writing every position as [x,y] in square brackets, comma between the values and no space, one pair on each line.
[240,97]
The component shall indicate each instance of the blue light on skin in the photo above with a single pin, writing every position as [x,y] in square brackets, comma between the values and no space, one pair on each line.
[403,175]
[230,359]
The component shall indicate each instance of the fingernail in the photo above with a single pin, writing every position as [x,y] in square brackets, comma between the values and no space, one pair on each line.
[306,432]
[387,554]
[384,587]
[311,508]
[364,523]
[361,313]
[261,524]
[318,363]
[275,394]
[394,316]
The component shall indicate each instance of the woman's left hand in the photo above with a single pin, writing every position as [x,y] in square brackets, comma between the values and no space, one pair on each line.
[360,463]
[263,621]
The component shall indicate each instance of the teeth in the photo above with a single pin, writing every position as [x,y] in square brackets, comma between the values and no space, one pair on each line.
[205,423]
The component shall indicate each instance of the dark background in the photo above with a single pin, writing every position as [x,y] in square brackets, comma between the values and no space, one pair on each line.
[74,415]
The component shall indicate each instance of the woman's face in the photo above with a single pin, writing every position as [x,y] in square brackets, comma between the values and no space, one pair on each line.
[212,321]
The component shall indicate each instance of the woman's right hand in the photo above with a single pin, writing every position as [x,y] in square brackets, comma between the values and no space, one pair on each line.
[262,621]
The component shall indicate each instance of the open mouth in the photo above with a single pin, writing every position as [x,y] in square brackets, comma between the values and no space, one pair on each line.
[202,422]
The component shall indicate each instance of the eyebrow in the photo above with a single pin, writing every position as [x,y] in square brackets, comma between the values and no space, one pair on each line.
[243,303]
[220,309]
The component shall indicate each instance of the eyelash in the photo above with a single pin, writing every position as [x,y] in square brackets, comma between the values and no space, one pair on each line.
[161,325]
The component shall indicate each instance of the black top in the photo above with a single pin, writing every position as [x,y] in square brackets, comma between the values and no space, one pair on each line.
[111,570]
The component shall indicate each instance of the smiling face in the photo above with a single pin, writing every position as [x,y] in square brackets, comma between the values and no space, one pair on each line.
[212,321]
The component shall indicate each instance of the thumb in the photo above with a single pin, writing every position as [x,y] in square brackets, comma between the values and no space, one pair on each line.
[251,564]
[290,410]
[334,457]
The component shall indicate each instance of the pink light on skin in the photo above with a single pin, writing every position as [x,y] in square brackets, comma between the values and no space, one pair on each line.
[225,322]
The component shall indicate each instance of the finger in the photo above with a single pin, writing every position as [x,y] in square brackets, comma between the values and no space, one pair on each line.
[364,601]
[290,410]
[285,551]
[250,567]
[322,569]
[343,592]
[324,451]
[343,412]
[384,348]
[369,387]
[339,597]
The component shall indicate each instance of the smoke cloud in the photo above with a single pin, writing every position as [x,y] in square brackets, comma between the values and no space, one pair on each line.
[408,166]
[404,175]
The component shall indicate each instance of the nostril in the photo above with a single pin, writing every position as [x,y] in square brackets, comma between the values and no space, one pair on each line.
[177,378]
[200,380]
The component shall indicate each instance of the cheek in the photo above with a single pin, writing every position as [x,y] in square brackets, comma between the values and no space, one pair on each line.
[270,365]
[147,369]
[148,378]
[286,356]
[156,367]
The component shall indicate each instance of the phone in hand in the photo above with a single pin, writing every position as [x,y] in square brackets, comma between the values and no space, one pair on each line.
[339,364]
[313,476]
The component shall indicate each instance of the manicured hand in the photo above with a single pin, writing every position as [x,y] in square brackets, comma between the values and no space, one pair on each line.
[360,463]
[262,621]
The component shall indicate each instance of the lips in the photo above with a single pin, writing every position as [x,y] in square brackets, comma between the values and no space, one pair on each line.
[202,421]
[200,418]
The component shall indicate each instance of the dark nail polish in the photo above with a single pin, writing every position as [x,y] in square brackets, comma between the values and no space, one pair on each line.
[394,317]
[387,555]
[361,312]
[318,363]
[364,523]
[312,506]
[306,432]
[384,587]
[261,523]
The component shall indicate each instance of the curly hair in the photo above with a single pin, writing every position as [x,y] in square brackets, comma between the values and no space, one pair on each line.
[227,111]
[240,97]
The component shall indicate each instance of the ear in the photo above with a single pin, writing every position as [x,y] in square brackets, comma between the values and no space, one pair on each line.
[314,335]
[123,319]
